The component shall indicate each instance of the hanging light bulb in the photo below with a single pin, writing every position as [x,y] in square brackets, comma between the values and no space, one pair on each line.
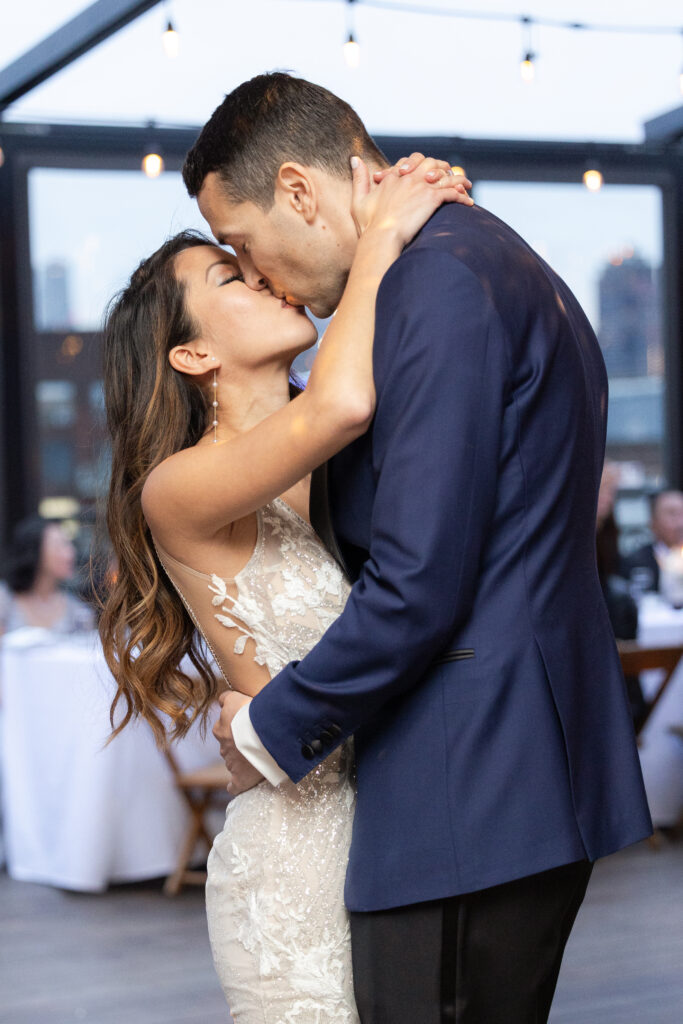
[592,179]
[351,48]
[152,164]
[170,40]
[526,65]
[351,52]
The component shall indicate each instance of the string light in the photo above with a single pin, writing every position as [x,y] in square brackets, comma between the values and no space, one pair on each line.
[403,7]
[526,67]
[170,40]
[436,10]
[152,164]
[351,52]
[592,179]
[351,48]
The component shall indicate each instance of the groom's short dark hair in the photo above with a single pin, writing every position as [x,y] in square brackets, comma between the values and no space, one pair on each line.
[265,122]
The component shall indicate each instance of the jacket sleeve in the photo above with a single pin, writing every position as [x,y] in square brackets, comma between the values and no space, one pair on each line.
[441,376]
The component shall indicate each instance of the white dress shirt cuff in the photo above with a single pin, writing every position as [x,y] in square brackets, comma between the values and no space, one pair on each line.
[249,745]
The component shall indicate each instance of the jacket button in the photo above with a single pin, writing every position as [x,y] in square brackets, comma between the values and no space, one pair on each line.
[326,736]
[334,729]
[317,746]
[307,752]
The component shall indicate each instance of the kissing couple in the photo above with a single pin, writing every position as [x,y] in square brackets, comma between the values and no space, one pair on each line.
[422,707]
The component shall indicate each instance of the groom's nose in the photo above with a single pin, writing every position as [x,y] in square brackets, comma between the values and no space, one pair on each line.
[252,278]
[254,281]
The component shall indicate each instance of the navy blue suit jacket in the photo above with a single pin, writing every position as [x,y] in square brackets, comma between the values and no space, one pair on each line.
[474,661]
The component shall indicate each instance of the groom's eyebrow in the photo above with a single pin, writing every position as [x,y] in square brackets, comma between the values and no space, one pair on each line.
[226,237]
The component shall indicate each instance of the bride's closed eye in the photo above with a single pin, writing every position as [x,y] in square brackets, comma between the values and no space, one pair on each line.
[228,280]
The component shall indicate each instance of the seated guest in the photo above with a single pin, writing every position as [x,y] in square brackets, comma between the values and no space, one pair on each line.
[622,609]
[40,559]
[666,524]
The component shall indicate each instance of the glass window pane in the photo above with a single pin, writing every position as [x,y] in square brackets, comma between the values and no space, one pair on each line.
[31,22]
[608,248]
[56,401]
[593,85]
[89,230]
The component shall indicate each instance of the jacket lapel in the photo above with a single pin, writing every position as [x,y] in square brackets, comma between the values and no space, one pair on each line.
[320,513]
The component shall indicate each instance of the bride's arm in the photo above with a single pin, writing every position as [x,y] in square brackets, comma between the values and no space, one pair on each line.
[203,488]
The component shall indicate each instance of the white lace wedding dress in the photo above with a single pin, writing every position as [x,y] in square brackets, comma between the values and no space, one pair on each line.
[278,927]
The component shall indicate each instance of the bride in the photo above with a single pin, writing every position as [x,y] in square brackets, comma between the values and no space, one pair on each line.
[212,447]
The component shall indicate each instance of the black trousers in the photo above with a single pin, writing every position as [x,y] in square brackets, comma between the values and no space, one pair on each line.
[489,957]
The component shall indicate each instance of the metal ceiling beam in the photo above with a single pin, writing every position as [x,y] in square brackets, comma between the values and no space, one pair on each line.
[515,159]
[666,128]
[92,26]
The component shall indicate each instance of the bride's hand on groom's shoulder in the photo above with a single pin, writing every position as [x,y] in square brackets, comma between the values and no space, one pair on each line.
[404,196]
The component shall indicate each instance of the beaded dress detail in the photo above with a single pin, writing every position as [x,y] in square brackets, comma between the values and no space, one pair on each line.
[278,927]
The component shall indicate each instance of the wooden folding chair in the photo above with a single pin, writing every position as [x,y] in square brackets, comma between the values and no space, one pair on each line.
[637,658]
[201,789]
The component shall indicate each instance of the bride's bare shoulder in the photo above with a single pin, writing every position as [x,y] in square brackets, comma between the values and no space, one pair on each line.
[167,489]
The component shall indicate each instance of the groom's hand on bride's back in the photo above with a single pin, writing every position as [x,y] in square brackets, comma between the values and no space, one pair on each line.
[242,774]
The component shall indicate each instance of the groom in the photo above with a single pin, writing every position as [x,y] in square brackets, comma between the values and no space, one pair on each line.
[474,662]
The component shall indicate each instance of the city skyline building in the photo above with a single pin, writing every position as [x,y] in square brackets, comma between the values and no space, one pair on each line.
[52,296]
[629,317]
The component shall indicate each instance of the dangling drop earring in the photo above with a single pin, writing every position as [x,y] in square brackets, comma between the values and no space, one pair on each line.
[215,408]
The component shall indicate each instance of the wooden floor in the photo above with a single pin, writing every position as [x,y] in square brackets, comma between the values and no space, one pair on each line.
[132,956]
[624,959]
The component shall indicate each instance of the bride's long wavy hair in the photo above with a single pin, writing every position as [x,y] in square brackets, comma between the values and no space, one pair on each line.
[152,412]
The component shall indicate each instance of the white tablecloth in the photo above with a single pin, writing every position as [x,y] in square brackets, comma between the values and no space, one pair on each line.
[78,815]
[661,751]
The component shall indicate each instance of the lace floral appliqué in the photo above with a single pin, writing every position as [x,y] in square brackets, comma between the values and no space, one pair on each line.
[287,597]
[277,923]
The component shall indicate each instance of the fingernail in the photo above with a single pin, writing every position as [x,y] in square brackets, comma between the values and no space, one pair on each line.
[354,162]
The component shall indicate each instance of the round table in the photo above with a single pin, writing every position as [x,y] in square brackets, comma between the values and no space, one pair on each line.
[78,814]
[661,751]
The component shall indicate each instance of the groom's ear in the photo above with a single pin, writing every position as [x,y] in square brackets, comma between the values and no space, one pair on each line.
[296,187]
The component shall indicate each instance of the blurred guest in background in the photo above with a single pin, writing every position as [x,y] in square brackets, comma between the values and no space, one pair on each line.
[39,561]
[621,607]
[643,566]
[607,530]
